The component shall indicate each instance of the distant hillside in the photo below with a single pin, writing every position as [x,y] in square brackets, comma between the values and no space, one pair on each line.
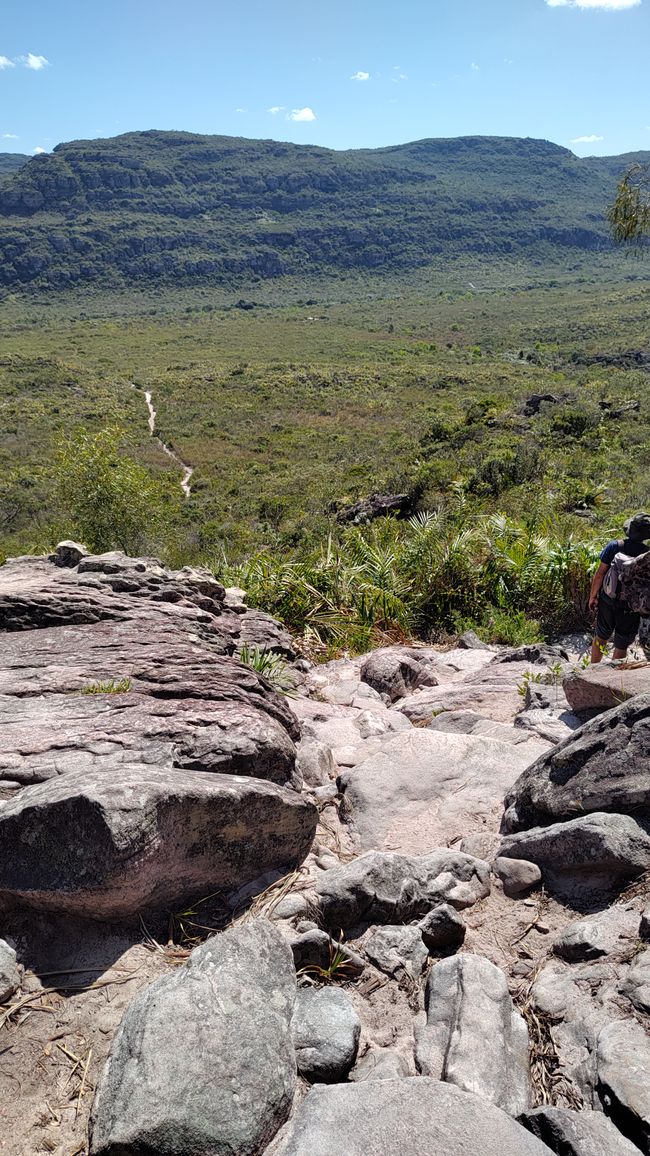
[171,207]
[10,163]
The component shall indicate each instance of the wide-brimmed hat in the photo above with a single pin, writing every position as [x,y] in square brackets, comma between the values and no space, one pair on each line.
[638,526]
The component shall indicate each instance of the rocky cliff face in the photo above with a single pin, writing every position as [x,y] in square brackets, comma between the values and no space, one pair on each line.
[226,915]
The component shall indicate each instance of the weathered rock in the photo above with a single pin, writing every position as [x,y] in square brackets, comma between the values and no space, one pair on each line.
[603,766]
[203,1061]
[316,949]
[533,653]
[636,984]
[473,1036]
[624,1079]
[604,686]
[396,950]
[424,788]
[644,926]
[326,1032]
[68,554]
[613,929]
[468,722]
[607,847]
[470,640]
[392,672]
[517,876]
[388,888]
[584,1133]
[9,973]
[44,737]
[409,1117]
[376,506]
[315,763]
[380,1064]
[442,927]
[107,845]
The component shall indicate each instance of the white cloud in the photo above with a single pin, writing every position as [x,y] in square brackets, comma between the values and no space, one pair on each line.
[10,136]
[587,139]
[35,63]
[5,62]
[611,5]
[240,110]
[360,76]
[275,109]
[38,150]
[475,67]
[301,114]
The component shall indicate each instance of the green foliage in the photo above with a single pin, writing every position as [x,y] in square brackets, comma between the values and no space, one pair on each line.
[270,665]
[629,213]
[110,687]
[111,501]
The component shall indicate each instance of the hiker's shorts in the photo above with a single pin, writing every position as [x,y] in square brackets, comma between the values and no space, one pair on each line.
[615,617]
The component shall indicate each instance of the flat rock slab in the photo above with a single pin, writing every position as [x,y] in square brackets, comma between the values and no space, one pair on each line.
[603,766]
[44,737]
[107,845]
[614,930]
[412,1117]
[426,787]
[203,1061]
[473,1037]
[387,888]
[605,685]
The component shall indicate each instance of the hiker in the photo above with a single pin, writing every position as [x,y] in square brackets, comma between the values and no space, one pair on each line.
[614,614]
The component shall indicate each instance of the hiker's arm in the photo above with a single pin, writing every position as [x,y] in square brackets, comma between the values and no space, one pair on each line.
[596,584]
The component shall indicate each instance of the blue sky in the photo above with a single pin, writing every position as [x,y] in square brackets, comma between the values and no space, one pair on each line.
[342,74]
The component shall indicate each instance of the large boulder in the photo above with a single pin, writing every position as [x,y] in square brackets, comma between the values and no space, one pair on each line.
[424,788]
[395,672]
[326,1032]
[420,1117]
[604,686]
[584,1133]
[473,1036]
[603,847]
[623,1060]
[203,1061]
[382,887]
[109,844]
[603,766]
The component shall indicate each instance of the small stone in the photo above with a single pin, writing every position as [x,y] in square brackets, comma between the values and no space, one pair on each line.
[314,948]
[517,876]
[9,973]
[397,949]
[326,1032]
[442,927]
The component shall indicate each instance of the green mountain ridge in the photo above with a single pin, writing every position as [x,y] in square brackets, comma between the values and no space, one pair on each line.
[10,163]
[172,208]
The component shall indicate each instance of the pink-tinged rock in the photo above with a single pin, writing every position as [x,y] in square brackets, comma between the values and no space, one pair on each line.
[605,685]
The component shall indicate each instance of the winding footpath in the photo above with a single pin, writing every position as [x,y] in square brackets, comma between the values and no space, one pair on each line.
[187,470]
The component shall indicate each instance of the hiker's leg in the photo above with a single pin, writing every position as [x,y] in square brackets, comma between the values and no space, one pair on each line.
[627,624]
[598,648]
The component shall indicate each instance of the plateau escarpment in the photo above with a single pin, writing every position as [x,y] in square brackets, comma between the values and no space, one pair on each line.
[225,914]
[175,208]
